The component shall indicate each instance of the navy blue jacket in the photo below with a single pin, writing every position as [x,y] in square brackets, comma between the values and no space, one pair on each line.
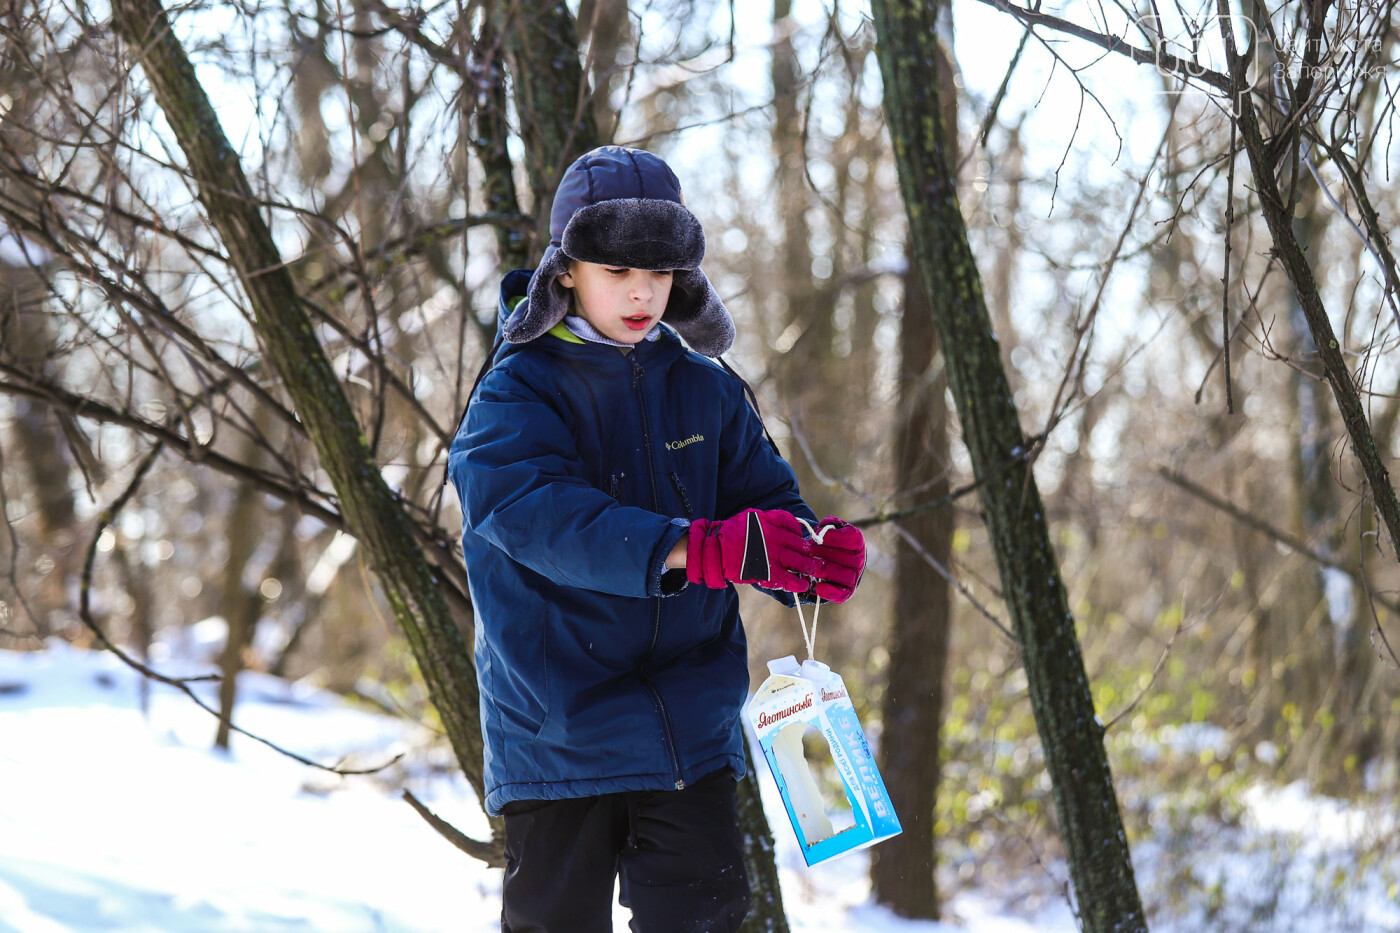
[578,467]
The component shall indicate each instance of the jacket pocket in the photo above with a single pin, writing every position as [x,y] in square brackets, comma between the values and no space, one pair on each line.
[521,675]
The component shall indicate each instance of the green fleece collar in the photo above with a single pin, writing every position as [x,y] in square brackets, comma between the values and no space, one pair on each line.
[564,334]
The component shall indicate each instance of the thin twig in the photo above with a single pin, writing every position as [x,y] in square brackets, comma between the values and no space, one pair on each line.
[1377,630]
[1225,277]
[1000,95]
[1254,306]
[1263,527]
[953,581]
[489,852]
[1157,669]
[181,684]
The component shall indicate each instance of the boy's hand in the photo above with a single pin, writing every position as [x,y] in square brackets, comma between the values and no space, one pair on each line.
[839,549]
[755,546]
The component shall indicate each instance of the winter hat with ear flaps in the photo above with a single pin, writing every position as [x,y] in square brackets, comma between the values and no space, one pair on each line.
[623,207]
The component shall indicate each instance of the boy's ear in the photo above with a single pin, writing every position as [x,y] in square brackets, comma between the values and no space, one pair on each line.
[565,279]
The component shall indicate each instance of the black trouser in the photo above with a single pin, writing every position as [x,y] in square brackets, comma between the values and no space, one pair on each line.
[679,853]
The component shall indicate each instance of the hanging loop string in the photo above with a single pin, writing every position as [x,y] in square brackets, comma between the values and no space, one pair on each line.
[809,638]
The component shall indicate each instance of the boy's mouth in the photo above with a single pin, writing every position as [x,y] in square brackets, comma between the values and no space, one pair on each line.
[637,321]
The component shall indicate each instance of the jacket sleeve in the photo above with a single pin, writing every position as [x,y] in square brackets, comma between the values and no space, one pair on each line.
[522,486]
[754,476]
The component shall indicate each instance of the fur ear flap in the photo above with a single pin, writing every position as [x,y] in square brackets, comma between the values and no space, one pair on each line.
[697,314]
[547,301]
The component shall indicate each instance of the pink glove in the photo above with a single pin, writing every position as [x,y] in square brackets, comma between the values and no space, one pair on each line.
[839,549]
[763,547]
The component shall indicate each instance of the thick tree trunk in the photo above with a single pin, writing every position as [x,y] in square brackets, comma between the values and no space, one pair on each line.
[371,510]
[607,29]
[489,132]
[1090,822]
[806,329]
[556,122]
[902,869]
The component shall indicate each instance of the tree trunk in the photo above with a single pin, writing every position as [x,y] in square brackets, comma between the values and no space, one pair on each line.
[902,869]
[551,96]
[239,605]
[607,29]
[1090,822]
[806,343]
[1003,278]
[371,510]
[26,341]
[489,132]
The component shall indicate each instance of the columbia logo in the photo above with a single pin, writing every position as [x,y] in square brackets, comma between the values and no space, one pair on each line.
[677,445]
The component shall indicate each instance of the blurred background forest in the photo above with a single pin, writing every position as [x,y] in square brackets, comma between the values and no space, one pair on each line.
[1234,596]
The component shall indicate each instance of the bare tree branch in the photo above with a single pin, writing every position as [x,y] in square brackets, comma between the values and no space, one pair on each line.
[489,852]
[1187,70]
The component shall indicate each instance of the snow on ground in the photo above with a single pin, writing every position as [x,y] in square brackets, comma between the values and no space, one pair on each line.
[111,820]
[115,821]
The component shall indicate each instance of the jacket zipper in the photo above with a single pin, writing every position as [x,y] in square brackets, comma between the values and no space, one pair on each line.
[680,489]
[667,732]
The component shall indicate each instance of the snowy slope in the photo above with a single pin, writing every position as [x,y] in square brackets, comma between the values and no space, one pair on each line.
[111,821]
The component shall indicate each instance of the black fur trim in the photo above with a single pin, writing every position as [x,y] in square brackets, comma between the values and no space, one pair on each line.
[639,233]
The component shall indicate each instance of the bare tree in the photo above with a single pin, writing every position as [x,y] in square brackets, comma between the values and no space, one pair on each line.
[1071,734]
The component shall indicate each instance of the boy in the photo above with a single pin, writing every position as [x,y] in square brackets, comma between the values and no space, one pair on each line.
[613,486]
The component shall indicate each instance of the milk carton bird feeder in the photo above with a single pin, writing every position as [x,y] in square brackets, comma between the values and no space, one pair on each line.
[810,698]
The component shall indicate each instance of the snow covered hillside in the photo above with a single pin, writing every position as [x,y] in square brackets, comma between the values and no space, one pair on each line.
[111,820]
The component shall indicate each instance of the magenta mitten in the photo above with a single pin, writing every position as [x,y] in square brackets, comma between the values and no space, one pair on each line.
[755,546]
[839,548]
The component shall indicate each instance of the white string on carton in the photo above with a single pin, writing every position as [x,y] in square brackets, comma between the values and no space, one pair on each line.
[810,638]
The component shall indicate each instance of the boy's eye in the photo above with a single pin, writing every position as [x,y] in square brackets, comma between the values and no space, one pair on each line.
[618,271]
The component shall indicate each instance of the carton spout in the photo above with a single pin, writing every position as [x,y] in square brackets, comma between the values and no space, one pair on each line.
[785,667]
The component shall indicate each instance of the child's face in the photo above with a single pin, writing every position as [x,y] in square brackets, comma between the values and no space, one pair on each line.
[622,304]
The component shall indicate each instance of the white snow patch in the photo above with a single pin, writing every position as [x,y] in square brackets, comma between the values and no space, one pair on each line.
[111,820]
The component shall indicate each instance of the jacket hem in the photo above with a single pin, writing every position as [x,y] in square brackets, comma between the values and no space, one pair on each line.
[596,787]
